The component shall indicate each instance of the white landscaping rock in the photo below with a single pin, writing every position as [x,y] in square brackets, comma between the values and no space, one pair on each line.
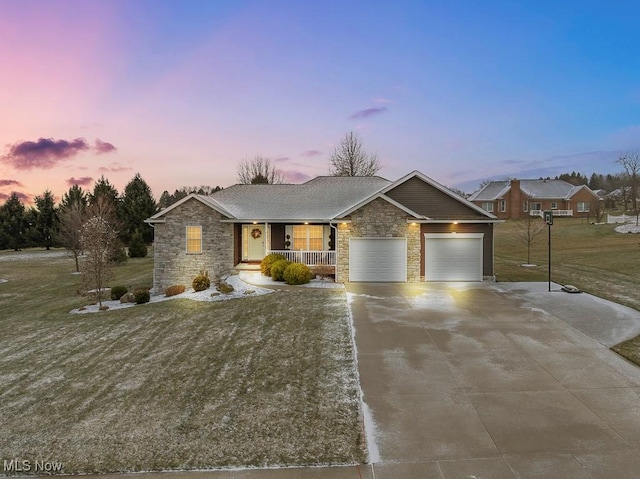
[241,290]
[631,228]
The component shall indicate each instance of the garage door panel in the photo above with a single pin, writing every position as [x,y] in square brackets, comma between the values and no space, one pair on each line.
[453,258]
[378,259]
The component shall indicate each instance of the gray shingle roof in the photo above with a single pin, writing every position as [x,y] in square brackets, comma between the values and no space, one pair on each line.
[321,198]
[490,192]
[542,189]
[546,188]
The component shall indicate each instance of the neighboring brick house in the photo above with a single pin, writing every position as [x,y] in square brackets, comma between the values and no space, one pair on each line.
[358,228]
[513,199]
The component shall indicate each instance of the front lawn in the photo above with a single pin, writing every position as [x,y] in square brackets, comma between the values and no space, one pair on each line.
[594,258]
[258,381]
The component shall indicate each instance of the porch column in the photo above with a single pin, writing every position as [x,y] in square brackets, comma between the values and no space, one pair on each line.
[267,238]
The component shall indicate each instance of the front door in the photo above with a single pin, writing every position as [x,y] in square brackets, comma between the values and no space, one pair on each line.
[255,242]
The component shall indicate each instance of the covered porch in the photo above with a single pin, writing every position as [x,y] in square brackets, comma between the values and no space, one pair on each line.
[539,212]
[308,243]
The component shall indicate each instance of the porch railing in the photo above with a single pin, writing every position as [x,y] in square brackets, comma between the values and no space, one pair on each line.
[555,212]
[310,258]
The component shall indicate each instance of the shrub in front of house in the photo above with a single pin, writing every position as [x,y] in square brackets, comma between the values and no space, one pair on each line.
[297,273]
[141,296]
[175,289]
[277,269]
[267,261]
[201,282]
[118,292]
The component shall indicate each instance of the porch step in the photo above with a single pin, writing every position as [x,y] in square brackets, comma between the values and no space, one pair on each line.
[247,267]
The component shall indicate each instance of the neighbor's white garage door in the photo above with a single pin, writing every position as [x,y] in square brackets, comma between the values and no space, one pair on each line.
[453,257]
[378,259]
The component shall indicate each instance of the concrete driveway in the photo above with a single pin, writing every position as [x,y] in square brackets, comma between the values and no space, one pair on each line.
[474,381]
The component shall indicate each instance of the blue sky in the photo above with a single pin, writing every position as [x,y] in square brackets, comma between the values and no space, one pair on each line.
[182,91]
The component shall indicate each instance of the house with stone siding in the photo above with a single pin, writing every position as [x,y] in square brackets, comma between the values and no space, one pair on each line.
[514,199]
[356,228]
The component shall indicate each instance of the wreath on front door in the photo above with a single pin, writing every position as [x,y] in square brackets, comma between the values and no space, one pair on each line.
[256,233]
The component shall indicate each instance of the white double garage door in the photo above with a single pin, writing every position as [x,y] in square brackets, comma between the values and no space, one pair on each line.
[448,257]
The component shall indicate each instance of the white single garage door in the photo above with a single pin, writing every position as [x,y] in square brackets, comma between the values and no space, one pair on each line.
[378,259]
[453,257]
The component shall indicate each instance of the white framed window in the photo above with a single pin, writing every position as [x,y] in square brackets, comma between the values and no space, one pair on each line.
[554,205]
[487,206]
[308,237]
[503,206]
[525,206]
[536,206]
[194,239]
[583,206]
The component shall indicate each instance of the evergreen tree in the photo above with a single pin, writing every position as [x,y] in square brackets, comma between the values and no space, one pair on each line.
[75,195]
[32,234]
[104,201]
[47,220]
[137,205]
[137,247]
[574,178]
[12,222]
[596,182]
[165,200]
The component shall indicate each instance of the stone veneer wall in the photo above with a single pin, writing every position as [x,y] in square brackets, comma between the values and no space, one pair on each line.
[379,219]
[172,264]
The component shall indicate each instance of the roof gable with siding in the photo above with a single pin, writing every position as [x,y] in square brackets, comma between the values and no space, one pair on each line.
[432,202]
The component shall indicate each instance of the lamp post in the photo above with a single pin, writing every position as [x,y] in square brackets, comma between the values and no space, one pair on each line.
[548,218]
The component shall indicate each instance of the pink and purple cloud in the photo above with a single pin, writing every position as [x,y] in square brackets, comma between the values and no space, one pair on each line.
[83,181]
[101,147]
[114,168]
[310,153]
[46,153]
[368,112]
[10,183]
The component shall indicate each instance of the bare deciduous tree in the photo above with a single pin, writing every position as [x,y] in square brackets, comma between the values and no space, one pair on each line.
[631,164]
[98,240]
[349,158]
[71,220]
[259,170]
[529,228]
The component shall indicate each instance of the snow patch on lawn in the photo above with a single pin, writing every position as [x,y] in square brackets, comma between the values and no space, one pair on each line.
[241,290]
[23,256]
[628,229]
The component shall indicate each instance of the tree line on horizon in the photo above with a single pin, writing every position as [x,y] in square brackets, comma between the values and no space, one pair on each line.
[47,224]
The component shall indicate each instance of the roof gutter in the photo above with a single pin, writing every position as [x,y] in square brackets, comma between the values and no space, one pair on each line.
[283,221]
[427,221]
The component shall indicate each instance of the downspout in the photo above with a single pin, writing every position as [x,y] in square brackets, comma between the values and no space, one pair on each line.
[335,246]
[154,258]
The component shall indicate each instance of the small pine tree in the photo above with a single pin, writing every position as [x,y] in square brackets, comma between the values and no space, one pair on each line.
[137,248]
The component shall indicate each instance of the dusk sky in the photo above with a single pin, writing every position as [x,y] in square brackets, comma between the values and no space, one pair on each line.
[182,91]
